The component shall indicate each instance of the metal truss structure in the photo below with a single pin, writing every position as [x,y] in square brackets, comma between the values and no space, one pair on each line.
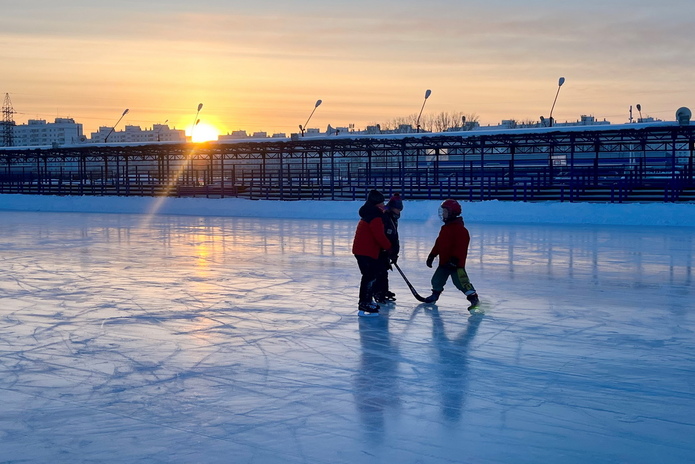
[604,163]
[7,124]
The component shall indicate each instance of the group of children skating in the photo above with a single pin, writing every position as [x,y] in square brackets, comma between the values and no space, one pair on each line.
[376,247]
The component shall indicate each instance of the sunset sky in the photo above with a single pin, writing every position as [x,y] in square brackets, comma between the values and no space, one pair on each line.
[262,65]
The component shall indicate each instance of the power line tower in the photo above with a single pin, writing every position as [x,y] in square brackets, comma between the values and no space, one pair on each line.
[7,124]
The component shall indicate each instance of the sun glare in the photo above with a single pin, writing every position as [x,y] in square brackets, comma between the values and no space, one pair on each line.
[204,133]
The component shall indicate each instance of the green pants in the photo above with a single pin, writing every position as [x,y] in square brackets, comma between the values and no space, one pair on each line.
[458,276]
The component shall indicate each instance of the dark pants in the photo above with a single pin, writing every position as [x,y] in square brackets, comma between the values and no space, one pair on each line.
[369,267]
[381,286]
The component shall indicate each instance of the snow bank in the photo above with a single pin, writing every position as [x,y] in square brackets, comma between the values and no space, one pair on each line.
[642,214]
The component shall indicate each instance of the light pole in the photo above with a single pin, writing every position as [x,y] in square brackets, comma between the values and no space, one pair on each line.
[303,128]
[196,120]
[639,109]
[559,84]
[114,126]
[428,92]
[159,130]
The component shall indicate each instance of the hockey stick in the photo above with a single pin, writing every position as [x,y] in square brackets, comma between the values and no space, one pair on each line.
[412,289]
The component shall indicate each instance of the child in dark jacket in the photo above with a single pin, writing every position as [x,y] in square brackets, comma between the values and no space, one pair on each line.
[452,248]
[370,240]
[392,213]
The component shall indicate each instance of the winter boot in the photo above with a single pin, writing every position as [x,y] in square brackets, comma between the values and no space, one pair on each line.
[433,297]
[368,309]
[473,298]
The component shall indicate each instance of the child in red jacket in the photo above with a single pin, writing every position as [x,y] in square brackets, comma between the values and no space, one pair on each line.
[452,248]
[370,240]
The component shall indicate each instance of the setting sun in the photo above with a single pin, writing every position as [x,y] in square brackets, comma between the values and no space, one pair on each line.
[203,133]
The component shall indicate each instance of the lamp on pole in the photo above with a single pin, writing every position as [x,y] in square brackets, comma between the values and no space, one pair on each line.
[114,126]
[196,120]
[159,130]
[639,109]
[428,92]
[559,84]
[303,128]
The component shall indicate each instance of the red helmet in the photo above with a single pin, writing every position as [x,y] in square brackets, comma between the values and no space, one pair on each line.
[452,206]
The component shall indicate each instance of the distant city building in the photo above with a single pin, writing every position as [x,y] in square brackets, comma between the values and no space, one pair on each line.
[235,135]
[409,129]
[158,133]
[647,119]
[241,135]
[584,120]
[38,132]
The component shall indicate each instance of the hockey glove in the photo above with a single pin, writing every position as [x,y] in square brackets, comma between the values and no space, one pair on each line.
[430,260]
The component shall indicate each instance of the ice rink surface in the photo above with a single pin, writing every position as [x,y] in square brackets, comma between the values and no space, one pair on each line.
[173,339]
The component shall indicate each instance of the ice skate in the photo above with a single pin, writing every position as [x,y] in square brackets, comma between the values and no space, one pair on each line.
[387,297]
[474,300]
[368,309]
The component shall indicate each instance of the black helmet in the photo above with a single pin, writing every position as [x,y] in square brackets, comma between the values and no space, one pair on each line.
[375,197]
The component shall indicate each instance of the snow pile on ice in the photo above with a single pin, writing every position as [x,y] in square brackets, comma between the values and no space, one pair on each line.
[641,214]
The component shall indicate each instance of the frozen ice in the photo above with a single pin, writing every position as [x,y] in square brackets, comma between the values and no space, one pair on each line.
[180,339]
